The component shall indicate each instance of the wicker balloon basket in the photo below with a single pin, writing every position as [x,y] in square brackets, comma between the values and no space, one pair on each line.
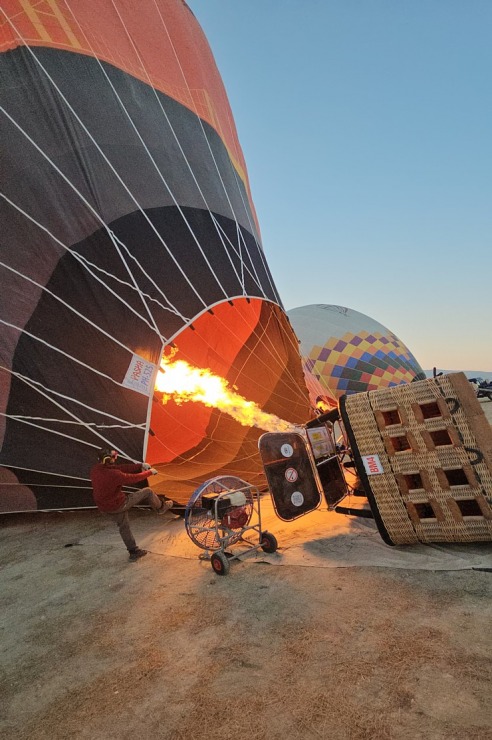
[424,451]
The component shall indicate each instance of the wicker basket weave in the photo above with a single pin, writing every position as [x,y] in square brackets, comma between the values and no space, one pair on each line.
[434,446]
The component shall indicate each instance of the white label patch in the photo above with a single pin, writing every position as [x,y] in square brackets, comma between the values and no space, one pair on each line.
[287,450]
[297,498]
[372,464]
[139,375]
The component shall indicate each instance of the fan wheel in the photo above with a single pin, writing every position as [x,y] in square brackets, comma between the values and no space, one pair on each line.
[200,523]
[268,542]
[220,563]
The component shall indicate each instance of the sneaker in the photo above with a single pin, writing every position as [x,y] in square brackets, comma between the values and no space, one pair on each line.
[166,505]
[136,554]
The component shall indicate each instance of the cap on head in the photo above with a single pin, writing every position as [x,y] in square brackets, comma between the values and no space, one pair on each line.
[107,455]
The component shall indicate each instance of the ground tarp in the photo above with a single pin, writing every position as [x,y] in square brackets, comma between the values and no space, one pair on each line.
[322,539]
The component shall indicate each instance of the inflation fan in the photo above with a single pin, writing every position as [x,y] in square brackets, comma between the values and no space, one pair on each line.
[219,514]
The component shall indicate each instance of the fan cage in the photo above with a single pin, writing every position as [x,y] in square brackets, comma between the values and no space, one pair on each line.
[202,523]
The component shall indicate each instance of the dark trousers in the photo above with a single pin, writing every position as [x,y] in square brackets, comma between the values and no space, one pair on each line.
[144,496]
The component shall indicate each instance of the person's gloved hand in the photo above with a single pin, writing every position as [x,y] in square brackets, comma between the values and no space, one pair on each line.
[153,471]
[145,466]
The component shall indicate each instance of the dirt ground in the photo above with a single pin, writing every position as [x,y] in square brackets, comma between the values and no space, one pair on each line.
[97,648]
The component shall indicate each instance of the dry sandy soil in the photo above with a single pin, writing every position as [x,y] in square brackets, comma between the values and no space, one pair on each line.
[95,647]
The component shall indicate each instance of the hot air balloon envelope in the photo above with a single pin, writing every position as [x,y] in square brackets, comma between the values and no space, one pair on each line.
[129,230]
[347,352]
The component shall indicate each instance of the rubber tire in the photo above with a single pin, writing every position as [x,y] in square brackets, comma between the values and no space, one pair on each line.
[220,564]
[268,542]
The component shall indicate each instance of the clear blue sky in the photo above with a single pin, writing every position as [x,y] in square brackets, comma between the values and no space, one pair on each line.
[366,126]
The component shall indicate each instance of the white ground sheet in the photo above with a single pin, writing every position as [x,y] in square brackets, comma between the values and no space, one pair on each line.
[322,539]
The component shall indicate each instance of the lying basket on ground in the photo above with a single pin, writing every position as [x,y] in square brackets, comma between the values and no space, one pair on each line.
[424,454]
[420,452]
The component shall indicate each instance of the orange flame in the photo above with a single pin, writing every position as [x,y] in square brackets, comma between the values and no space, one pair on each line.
[183,382]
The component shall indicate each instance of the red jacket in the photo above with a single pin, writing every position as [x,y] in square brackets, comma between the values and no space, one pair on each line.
[107,481]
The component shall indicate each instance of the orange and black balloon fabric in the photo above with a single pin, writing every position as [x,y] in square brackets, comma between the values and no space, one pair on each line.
[129,227]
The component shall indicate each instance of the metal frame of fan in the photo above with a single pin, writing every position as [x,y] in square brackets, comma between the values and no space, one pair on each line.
[219,514]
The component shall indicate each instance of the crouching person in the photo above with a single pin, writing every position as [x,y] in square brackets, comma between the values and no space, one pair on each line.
[108,477]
